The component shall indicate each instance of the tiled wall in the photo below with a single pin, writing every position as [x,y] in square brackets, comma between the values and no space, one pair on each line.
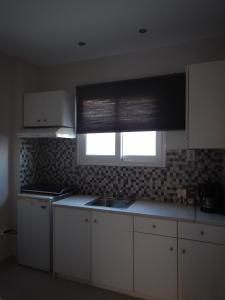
[54,160]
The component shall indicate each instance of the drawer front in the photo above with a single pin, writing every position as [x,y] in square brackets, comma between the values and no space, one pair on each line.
[201,232]
[155,226]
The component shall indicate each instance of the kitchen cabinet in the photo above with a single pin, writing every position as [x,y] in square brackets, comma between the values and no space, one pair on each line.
[48,109]
[201,270]
[201,261]
[155,259]
[206,105]
[112,250]
[72,242]
[147,257]
[34,233]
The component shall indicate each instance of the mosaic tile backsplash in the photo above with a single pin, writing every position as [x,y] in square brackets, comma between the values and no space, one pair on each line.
[54,161]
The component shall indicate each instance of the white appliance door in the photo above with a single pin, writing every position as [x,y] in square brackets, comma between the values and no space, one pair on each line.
[34,233]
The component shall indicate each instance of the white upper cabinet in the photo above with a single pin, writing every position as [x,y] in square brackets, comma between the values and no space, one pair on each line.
[48,109]
[206,105]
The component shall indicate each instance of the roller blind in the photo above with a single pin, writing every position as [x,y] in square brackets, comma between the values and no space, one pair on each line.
[154,103]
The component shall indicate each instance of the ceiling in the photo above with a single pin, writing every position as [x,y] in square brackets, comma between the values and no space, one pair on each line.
[47,31]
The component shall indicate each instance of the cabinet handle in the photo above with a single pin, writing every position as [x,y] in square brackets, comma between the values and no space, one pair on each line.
[86,220]
[45,120]
[183,251]
[202,232]
[43,206]
[171,249]
[153,226]
[38,120]
[95,221]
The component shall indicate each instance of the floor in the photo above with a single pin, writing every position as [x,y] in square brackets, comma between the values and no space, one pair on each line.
[21,283]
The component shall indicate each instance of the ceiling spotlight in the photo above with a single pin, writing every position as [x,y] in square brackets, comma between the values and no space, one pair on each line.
[142,30]
[81,44]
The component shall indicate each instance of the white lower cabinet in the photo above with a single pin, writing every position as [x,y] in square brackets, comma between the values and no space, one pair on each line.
[94,246]
[201,271]
[72,242]
[155,266]
[112,250]
[144,258]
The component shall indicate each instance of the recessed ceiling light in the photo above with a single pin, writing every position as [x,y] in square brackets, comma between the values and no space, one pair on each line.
[81,44]
[142,30]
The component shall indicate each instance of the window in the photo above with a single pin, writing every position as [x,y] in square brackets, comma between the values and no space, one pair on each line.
[100,144]
[126,148]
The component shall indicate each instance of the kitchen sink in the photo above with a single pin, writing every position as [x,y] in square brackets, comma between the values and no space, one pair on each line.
[110,202]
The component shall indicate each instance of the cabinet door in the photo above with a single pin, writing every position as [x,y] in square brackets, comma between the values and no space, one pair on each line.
[155,266]
[201,271]
[33,110]
[53,108]
[33,240]
[206,105]
[72,242]
[112,250]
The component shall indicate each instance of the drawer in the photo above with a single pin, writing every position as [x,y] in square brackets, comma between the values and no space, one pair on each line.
[155,226]
[201,232]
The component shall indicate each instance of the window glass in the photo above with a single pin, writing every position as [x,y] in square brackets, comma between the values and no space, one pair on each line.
[141,143]
[125,149]
[100,143]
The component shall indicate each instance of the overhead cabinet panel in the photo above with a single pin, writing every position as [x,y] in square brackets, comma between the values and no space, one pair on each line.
[33,110]
[49,109]
[206,105]
[155,103]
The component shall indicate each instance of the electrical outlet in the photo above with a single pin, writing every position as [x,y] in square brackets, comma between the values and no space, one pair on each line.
[179,193]
[191,155]
[182,195]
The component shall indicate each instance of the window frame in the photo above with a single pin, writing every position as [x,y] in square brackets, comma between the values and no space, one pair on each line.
[118,160]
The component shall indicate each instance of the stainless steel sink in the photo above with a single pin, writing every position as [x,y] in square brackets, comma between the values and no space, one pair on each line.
[110,202]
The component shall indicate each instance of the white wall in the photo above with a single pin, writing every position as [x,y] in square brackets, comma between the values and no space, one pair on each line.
[27,79]
[6,87]
[16,77]
[170,59]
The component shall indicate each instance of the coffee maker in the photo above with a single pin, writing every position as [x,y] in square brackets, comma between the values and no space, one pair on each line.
[211,197]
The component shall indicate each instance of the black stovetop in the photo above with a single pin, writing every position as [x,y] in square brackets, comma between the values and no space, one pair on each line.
[47,189]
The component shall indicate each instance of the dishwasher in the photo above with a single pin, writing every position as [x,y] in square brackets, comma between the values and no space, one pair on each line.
[34,233]
[34,225]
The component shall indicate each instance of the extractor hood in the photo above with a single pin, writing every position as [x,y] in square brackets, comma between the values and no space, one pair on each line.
[47,132]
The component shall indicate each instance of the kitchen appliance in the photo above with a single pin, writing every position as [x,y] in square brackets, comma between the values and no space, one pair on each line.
[48,132]
[34,223]
[211,197]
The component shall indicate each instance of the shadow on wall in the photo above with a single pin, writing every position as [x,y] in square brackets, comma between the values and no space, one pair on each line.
[4,191]
[4,170]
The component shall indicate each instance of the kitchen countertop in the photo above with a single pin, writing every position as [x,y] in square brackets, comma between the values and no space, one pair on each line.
[149,209]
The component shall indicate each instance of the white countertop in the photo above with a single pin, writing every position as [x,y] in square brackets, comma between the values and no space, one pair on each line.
[149,209]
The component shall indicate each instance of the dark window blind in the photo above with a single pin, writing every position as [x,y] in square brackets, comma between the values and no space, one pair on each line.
[155,103]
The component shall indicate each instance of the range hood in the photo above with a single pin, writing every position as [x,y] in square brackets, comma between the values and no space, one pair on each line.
[47,132]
